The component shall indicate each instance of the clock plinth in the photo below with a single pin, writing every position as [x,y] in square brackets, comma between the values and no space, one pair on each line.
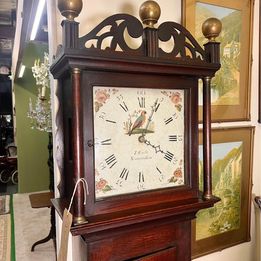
[130,129]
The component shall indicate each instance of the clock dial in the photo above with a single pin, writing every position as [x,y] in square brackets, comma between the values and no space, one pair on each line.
[138,137]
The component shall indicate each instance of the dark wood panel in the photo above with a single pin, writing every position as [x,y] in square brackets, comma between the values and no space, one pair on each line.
[169,254]
[137,241]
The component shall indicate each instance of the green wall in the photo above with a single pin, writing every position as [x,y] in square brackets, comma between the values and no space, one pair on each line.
[32,144]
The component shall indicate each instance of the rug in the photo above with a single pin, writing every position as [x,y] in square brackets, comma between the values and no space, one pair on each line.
[31,225]
[5,237]
[4,204]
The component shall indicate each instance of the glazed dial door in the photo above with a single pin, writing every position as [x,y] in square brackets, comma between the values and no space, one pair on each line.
[139,140]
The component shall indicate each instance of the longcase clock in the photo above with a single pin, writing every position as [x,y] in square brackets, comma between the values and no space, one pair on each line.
[130,130]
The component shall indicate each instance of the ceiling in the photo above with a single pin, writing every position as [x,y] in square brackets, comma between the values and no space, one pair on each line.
[7,31]
[8,17]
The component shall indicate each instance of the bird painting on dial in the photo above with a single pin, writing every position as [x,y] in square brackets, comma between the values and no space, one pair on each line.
[138,122]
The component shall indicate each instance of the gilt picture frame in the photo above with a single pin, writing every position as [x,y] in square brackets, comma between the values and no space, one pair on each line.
[228,222]
[230,88]
[259,68]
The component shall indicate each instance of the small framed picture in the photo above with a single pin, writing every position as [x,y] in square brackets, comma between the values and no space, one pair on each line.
[230,88]
[259,77]
[228,222]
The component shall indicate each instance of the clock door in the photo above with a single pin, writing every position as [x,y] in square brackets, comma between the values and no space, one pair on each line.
[138,139]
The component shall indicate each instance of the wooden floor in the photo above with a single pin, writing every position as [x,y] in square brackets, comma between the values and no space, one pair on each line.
[31,225]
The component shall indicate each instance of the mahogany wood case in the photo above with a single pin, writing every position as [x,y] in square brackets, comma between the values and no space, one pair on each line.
[151,224]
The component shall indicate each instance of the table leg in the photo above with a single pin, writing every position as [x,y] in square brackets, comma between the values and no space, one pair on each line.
[51,235]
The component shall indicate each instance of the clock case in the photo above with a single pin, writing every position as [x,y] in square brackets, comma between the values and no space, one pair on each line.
[78,68]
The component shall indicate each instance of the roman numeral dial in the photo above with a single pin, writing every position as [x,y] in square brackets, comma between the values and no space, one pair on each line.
[106,142]
[171,119]
[168,156]
[173,138]
[139,138]
[176,138]
[103,116]
[141,184]
[111,161]
[124,106]
[123,176]
[141,101]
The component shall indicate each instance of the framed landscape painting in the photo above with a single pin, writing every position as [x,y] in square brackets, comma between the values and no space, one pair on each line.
[230,88]
[259,67]
[228,222]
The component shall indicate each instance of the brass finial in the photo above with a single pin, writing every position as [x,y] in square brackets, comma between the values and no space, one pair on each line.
[70,8]
[149,13]
[211,28]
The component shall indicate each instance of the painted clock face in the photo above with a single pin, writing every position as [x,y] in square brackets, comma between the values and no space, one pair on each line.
[139,140]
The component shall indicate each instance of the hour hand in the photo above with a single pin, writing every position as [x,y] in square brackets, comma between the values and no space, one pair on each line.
[156,148]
